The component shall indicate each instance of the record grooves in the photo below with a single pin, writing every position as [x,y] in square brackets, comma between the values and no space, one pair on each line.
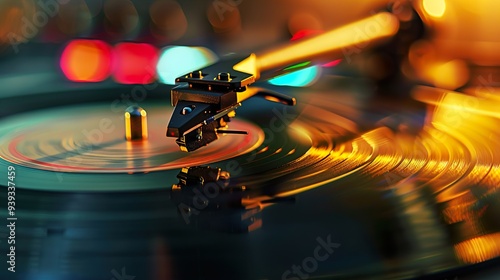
[384,173]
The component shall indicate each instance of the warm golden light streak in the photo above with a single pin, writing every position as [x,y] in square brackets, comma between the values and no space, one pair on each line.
[457,101]
[337,43]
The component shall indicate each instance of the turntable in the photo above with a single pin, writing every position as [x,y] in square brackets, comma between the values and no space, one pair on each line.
[137,140]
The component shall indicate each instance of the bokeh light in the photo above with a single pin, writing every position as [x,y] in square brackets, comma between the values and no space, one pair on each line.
[86,61]
[224,17]
[75,18]
[178,60]
[168,21]
[434,8]
[135,63]
[304,20]
[434,68]
[122,17]
[12,27]
[449,74]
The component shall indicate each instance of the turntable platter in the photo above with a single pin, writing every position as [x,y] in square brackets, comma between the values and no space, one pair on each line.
[388,202]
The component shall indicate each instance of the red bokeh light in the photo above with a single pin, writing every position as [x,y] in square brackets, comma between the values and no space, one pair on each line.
[135,63]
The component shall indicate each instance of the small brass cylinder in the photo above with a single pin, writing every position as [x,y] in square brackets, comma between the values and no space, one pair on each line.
[136,124]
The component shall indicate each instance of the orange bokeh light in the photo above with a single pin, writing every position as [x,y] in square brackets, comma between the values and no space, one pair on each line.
[86,61]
